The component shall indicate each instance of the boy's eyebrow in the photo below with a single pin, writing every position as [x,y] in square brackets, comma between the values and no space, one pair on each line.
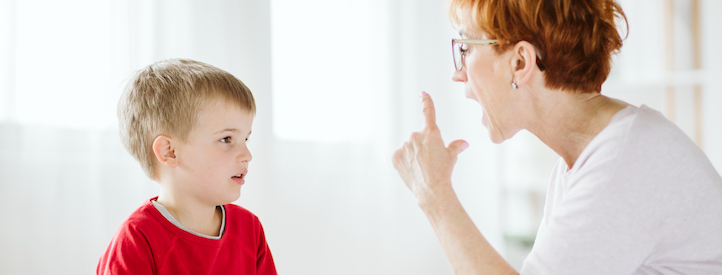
[227,130]
[230,130]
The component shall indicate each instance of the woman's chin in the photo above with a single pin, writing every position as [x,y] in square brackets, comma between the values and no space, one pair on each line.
[493,133]
[496,139]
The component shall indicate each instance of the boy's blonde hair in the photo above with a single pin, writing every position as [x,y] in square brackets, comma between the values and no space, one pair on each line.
[166,98]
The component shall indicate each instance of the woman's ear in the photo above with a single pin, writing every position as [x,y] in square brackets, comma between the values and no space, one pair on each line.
[523,62]
[164,151]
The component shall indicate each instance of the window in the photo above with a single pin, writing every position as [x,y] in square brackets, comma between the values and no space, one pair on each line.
[323,86]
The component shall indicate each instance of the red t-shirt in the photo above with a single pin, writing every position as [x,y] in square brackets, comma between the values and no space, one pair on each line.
[147,243]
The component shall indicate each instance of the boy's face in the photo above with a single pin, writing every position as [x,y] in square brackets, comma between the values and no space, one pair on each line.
[213,162]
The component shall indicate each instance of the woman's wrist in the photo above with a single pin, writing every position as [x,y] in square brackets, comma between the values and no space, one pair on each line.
[436,198]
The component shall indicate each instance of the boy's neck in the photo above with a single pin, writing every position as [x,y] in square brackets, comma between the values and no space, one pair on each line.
[196,216]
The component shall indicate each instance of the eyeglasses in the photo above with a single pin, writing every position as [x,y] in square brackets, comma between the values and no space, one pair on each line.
[459,51]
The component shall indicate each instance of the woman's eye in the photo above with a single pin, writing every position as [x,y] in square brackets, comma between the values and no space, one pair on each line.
[226,140]
[464,48]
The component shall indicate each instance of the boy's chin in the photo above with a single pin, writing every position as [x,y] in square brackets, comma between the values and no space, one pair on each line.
[234,198]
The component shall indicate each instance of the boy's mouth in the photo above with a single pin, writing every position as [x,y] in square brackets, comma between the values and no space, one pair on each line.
[240,177]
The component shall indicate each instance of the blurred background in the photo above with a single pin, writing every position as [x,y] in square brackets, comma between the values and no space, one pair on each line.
[337,83]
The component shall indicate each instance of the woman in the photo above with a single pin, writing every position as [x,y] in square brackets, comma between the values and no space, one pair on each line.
[631,194]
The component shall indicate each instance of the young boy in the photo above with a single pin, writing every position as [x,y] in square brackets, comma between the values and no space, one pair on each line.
[187,123]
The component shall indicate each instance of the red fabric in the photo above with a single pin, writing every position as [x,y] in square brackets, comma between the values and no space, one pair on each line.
[147,243]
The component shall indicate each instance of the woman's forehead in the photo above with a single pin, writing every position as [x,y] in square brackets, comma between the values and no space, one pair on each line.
[468,29]
[471,32]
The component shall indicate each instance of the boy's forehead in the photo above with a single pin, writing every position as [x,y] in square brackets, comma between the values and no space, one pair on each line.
[222,102]
[223,114]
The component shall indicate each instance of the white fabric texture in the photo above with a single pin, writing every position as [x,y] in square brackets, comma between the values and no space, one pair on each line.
[641,198]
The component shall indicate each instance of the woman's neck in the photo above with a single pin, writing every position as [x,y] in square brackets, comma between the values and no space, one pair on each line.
[567,122]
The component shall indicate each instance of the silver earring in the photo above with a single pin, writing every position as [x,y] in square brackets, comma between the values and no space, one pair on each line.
[514,85]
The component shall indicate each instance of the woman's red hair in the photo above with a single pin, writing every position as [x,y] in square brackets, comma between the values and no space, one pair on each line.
[576,38]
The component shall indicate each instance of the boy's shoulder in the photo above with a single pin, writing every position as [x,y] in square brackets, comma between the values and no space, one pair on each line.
[244,228]
[133,242]
[238,214]
[145,218]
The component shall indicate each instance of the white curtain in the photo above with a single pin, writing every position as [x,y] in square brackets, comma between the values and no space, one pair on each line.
[337,85]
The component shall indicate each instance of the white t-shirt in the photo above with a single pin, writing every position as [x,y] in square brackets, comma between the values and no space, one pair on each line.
[641,198]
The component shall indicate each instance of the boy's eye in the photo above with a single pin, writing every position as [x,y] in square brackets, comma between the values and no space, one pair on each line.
[226,140]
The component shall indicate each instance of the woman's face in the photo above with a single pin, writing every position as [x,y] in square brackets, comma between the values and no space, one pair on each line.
[487,77]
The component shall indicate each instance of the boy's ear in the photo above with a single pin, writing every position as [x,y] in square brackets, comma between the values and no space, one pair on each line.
[523,61]
[165,151]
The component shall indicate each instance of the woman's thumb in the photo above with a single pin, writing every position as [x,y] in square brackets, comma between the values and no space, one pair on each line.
[458,146]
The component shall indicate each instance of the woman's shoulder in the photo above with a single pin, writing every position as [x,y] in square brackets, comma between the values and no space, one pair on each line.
[637,133]
[641,140]
[650,133]
[642,144]
[650,122]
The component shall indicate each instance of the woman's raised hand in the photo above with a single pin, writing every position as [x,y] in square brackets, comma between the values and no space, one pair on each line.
[423,162]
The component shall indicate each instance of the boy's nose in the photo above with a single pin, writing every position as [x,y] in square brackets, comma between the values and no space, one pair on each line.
[245,155]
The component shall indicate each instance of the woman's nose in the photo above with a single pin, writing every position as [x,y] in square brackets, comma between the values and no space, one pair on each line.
[460,75]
